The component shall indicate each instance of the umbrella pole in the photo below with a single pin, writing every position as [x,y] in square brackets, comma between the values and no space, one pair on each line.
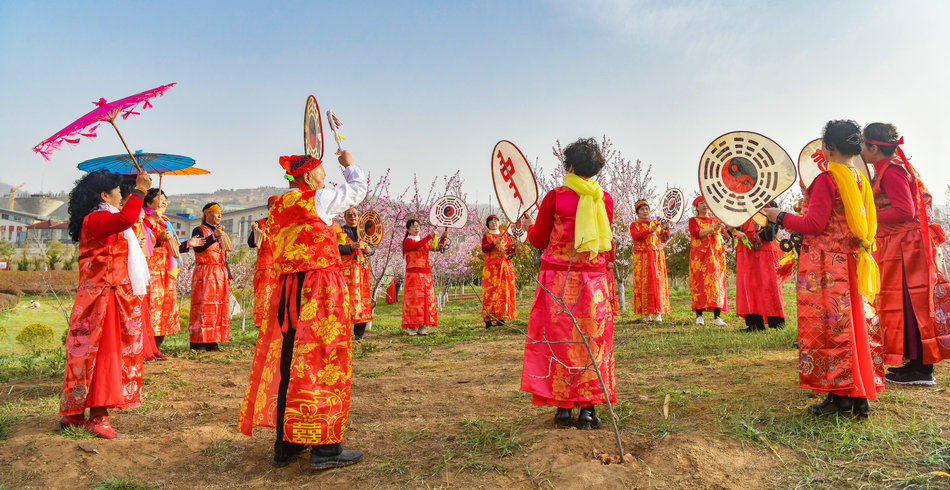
[159,183]
[134,160]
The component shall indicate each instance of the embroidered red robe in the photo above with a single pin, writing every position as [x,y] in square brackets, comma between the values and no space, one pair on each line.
[651,294]
[498,279]
[707,267]
[418,296]
[209,320]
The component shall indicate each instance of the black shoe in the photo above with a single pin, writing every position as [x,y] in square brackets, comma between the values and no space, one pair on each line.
[899,369]
[500,323]
[212,347]
[910,377]
[345,458]
[587,419]
[860,407]
[488,324]
[562,418]
[285,451]
[196,346]
[833,404]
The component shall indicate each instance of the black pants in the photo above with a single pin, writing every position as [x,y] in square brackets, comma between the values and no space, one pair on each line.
[758,323]
[359,329]
[716,312]
[158,340]
[288,300]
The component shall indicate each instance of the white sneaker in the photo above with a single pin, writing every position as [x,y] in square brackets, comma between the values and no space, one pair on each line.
[719,322]
[658,319]
[422,331]
[648,318]
[700,321]
[412,331]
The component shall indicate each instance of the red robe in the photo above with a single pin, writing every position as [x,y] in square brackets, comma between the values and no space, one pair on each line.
[902,255]
[318,390]
[209,320]
[557,373]
[498,279]
[758,288]
[418,297]
[104,341]
[707,267]
[838,351]
[651,294]
[163,300]
[264,275]
[355,269]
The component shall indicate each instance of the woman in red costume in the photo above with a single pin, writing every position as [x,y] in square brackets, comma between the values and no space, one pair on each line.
[906,244]
[264,275]
[758,288]
[162,267]
[651,295]
[707,264]
[838,353]
[418,297]
[498,275]
[150,351]
[573,229]
[209,320]
[104,340]
[300,376]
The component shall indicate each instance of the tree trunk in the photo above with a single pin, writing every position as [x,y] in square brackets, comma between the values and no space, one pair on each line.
[621,296]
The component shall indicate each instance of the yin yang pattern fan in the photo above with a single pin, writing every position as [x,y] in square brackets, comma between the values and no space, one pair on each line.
[448,212]
[741,172]
[673,205]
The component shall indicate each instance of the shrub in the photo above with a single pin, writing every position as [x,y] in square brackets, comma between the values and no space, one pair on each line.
[183,313]
[35,336]
[8,301]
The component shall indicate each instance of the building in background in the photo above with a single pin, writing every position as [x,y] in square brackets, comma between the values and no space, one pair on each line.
[236,223]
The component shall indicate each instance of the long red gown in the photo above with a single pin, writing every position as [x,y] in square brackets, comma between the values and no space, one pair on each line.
[264,275]
[418,297]
[355,269]
[307,264]
[209,320]
[561,374]
[104,341]
[163,298]
[905,261]
[651,294]
[707,267]
[838,351]
[498,279]
[758,288]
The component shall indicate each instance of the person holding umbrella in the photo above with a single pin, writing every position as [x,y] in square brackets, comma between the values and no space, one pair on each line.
[104,340]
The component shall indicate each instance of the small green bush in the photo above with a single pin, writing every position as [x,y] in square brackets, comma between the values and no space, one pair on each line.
[35,336]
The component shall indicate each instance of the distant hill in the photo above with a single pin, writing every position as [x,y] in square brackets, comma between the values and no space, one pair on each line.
[228,199]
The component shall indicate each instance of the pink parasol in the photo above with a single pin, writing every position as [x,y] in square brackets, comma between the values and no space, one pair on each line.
[105,111]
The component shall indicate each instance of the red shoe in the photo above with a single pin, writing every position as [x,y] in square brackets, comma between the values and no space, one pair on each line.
[159,356]
[98,424]
[74,420]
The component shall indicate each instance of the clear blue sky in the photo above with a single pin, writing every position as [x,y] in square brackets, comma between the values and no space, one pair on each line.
[430,86]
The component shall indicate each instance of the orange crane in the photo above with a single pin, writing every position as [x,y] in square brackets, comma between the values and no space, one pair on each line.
[13,194]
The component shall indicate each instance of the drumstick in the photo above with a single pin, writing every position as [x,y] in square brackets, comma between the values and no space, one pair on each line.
[335,126]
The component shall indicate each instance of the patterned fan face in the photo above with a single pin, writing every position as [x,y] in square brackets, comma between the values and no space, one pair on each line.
[674,205]
[370,227]
[812,162]
[515,185]
[741,172]
[449,212]
[518,231]
[312,129]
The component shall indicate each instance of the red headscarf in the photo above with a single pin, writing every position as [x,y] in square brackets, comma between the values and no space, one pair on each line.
[297,165]
[698,200]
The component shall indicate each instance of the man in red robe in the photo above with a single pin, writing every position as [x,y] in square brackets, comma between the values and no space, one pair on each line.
[354,253]
[300,376]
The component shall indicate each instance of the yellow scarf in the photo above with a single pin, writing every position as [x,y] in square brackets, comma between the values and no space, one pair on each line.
[591,226]
[862,221]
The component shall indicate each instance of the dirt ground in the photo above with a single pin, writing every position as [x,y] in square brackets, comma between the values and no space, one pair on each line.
[424,415]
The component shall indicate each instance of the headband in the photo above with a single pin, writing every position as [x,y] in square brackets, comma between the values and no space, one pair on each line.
[297,165]
[641,202]
[213,207]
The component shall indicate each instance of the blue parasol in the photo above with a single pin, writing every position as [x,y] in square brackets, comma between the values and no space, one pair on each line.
[153,163]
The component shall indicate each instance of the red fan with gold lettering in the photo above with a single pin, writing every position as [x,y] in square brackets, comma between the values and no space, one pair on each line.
[741,172]
[515,185]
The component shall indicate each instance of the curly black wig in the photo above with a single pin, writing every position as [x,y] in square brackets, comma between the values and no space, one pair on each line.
[84,198]
[584,157]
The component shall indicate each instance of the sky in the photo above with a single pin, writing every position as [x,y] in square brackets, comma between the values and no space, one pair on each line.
[428,87]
